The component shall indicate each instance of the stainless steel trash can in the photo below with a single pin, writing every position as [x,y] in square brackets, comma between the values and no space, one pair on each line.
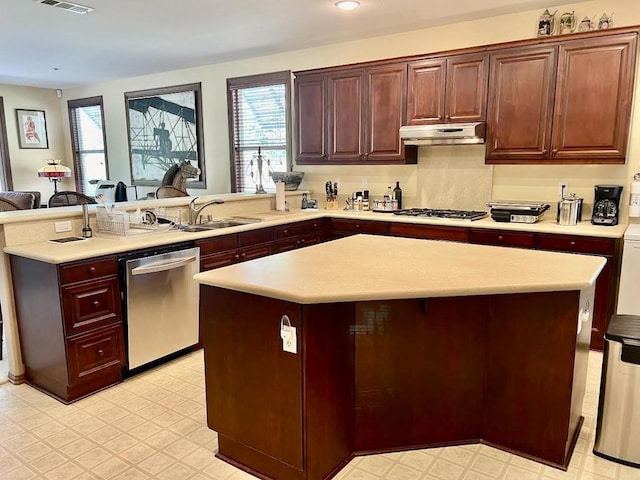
[618,425]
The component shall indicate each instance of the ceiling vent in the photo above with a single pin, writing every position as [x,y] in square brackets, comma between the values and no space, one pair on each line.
[68,6]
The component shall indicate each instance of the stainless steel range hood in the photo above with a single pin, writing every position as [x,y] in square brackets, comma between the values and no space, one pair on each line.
[443,134]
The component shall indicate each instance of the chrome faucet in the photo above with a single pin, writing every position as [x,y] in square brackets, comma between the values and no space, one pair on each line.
[194,212]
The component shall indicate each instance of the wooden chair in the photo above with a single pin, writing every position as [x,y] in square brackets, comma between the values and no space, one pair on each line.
[167,191]
[64,199]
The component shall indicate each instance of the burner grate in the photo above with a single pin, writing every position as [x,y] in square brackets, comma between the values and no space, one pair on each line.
[442,213]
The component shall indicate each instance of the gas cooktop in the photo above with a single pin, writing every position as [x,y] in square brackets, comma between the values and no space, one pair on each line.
[438,213]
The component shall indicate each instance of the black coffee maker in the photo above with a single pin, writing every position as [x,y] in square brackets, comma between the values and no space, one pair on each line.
[606,204]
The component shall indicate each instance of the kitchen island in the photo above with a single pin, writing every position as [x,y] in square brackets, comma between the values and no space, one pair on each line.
[400,344]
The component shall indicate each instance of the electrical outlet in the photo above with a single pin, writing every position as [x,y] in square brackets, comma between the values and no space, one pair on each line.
[289,339]
[62,226]
[563,188]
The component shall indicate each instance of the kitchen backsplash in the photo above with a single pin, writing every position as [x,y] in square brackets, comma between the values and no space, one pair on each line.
[457,177]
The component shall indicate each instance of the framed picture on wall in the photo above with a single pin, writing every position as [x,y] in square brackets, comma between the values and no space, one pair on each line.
[165,131]
[32,129]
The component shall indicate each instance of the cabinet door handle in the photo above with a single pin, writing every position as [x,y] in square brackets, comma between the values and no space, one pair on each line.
[554,151]
[447,117]
[100,353]
[96,304]
[544,151]
[92,270]
[237,257]
[243,256]
[286,232]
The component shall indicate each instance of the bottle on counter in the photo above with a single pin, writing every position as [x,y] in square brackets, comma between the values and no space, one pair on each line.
[397,194]
[365,200]
[389,194]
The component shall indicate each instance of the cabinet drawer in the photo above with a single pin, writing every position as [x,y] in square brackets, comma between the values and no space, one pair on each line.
[570,243]
[217,260]
[434,232]
[503,239]
[252,237]
[339,225]
[92,354]
[295,229]
[90,305]
[285,245]
[255,251]
[309,239]
[77,272]
[217,244]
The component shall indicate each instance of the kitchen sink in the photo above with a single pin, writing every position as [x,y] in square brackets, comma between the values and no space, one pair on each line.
[214,225]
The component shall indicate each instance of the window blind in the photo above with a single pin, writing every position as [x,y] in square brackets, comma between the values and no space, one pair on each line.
[259,121]
[88,139]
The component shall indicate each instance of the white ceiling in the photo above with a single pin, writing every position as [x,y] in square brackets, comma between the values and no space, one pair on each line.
[125,38]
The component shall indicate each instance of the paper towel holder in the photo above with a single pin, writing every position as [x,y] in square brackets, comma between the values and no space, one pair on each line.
[281,202]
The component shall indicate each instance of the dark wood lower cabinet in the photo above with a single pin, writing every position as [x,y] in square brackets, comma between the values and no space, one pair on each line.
[342,227]
[433,232]
[70,325]
[503,239]
[607,283]
[380,376]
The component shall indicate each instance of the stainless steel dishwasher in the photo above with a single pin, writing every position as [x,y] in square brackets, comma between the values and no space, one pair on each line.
[161,300]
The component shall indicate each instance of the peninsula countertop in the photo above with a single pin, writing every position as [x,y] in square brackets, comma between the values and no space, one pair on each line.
[369,267]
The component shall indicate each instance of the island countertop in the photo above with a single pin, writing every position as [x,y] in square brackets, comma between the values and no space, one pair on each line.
[369,267]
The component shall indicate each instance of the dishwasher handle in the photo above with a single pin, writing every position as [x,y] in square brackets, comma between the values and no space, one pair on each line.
[162,266]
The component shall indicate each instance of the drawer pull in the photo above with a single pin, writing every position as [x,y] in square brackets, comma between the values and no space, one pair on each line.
[286,232]
[92,270]
[96,304]
[237,257]
[572,243]
[500,237]
[101,353]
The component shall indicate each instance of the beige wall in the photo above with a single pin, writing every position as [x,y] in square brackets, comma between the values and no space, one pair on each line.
[444,176]
[25,162]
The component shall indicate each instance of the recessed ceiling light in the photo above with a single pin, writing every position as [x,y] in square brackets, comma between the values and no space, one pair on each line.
[347,4]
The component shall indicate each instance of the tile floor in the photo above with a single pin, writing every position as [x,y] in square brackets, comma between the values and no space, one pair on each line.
[153,427]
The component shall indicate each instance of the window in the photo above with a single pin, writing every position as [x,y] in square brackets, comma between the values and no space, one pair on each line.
[88,142]
[259,120]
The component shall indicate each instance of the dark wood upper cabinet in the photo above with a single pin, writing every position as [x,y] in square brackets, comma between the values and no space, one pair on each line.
[452,89]
[573,109]
[385,107]
[593,99]
[559,100]
[311,118]
[363,110]
[346,101]
[467,77]
[521,87]
[426,96]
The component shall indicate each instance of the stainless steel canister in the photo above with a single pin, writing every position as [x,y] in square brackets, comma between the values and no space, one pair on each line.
[568,210]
